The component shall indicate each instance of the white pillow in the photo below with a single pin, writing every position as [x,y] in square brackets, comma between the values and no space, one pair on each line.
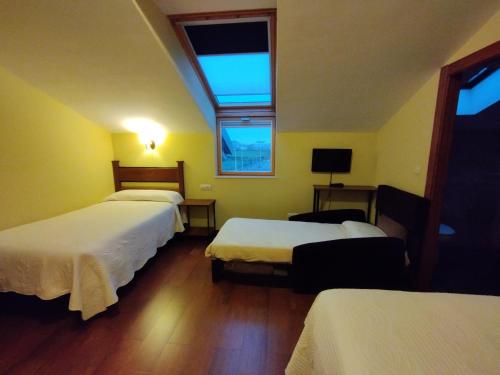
[357,229]
[146,195]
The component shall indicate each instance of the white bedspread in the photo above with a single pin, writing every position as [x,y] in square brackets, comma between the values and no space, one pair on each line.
[258,240]
[391,332]
[88,253]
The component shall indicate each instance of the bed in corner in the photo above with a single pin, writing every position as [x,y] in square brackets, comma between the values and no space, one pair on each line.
[89,253]
[359,331]
[321,256]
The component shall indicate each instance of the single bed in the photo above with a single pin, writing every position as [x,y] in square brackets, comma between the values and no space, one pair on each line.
[315,251]
[91,252]
[272,241]
[392,332]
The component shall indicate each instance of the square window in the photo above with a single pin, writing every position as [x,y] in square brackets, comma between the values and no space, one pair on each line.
[245,147]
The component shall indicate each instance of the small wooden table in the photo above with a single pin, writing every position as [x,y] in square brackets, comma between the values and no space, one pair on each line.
[207,203]
[361,188]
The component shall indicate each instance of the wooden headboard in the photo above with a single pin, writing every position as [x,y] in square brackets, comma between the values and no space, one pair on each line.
[148,174]
[409,212]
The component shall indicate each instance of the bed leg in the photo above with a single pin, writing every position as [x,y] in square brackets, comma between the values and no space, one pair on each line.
[217,270]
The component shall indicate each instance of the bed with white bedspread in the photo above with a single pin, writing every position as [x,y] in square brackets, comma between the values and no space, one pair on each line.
[91,252]
[272,241]
[88,253]
[390,332]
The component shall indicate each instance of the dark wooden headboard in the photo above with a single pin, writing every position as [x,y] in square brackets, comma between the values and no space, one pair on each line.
[409,211]
[149,174]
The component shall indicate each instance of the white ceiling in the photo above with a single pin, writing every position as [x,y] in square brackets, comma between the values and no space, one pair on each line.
[342,64]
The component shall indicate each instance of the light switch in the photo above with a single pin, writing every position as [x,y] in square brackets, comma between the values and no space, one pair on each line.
[205,187]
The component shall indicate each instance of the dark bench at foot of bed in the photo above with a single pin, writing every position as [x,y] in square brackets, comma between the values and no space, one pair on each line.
[375,263]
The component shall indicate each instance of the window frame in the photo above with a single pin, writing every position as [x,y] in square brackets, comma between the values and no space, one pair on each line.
[254,117]
[178,22]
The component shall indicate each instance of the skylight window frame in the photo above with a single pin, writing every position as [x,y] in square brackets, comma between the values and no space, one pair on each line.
[179,21]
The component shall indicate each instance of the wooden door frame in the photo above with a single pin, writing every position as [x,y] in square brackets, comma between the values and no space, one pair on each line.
[450,81]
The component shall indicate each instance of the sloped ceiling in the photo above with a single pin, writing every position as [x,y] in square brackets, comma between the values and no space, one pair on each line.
[343,65]
[100,58]
[350,64]
[199,6]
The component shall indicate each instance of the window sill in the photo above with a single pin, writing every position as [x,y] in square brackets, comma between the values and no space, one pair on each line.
[245,177]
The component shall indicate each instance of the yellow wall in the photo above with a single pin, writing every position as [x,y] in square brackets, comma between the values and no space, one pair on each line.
[291,189]
[52,159]
[403,143]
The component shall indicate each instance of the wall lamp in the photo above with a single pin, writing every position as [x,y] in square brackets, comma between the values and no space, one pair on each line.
[151,134]
[150,145]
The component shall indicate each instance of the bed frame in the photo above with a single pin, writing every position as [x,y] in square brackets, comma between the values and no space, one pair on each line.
[407,215]
[403,215]
[149,174]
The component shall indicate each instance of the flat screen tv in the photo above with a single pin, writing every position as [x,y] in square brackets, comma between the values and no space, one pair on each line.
[331,160]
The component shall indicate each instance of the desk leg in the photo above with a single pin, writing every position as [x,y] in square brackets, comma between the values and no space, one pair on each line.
[369,210]
[208,220]
[188,216]
[215,226]
[316,201]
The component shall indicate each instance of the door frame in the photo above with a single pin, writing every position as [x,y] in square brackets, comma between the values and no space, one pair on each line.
[450,81]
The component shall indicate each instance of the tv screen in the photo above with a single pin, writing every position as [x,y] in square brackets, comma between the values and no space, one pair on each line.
[331,160]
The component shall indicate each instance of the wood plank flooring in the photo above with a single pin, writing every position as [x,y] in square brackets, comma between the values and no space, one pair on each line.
[170,319]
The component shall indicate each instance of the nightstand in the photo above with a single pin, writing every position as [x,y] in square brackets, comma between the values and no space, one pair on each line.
[209,204]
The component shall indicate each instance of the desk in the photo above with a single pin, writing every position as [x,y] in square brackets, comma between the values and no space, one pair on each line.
[207,203]
[366,189]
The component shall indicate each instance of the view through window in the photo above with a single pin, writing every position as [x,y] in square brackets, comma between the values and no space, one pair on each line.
[246,147]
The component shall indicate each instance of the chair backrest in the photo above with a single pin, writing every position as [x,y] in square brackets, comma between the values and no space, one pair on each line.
[376,262]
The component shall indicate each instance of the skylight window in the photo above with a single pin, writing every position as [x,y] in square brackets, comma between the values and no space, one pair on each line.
[233,56]
[482,95]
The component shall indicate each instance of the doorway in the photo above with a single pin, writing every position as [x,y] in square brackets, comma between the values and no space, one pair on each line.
[469,233]
[452,79]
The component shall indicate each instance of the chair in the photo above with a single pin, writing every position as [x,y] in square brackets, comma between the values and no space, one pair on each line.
[377,262]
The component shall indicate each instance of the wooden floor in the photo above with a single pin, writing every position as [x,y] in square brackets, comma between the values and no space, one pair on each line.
[170,319]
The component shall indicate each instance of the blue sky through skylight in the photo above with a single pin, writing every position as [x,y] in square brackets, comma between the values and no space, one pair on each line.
[481,96]
[239,78]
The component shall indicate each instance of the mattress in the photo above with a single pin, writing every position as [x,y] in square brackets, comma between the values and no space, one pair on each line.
[258,240]
[392,332]
[88,253]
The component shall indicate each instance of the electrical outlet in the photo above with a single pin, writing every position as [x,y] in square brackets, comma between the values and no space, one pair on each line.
[205,187]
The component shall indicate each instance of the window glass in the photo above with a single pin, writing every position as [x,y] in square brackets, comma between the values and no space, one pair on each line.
[246,147]
[233,57]
[243,78]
